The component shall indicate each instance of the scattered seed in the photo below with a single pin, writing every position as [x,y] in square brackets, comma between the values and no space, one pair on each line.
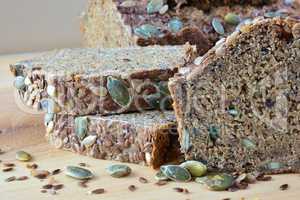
[56,171]
[284,187]
[43,191]
[132,188]
[143,180]
[118,171]
[78,173]
[22,178]
[81,125]
[219,181]
[47,187]
[264,178]
[40,174]
[161,183]
[7,169]
[218,27]
[97,191]
[226,199]
[23,156]
[10,179]
[83,183]
[32,166]
[177,189]
[8,164]
[58,187]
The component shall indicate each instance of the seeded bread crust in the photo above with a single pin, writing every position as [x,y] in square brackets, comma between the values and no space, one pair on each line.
[126,19]
[148,138]
[98,81]
[239,109]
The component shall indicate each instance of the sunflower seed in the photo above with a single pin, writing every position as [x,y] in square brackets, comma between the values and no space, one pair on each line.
[89,140]
[118,171]
[248,144]
[146,31]
[51,91]
[218,27]
[128,4]
[176,173]
[164,9]
[195,168]
[23,156]
[78,173]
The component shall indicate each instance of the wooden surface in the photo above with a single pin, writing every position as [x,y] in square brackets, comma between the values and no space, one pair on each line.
[20,130]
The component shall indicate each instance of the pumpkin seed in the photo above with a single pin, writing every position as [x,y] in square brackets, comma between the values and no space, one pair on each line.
[175,25]
[78,173]
[49,106]
[146,31]
[23,156]
[118,91]
[160,176]
[89,140]
[233,112]
[118,171]
[195,168]
[219,182]
[81,126]
[19,82]
[274,165]
[154,6]
[164,9]
[232,18]
[247,143]
[48,118]
[176,173]
[51,90]
[214,132]
[217,25]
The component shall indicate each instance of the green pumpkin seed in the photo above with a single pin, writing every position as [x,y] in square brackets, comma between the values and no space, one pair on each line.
[217,25]
[219,182]
[89,140]
[147,31]
[81,127]
[176,173]
[175,25]
[154,6]
[51,91]
[195,168]
[118,171]
[274,165]
[78,173]
[232,18]
[247,143]
[19,82]
[214,132]
[159,176]
[23,156]
[118,91]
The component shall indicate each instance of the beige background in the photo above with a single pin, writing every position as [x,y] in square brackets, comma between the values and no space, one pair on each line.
[38,25]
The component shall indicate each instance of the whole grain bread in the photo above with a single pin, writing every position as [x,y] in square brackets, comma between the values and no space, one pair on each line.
[148,138]
[100,81]
[115,23]
[239,109]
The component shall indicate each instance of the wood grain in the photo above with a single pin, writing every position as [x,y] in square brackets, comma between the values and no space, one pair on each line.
[23,131]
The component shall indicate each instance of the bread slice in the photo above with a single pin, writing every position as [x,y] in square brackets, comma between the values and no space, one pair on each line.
[100,81]
[148,138]
[118,23]
[239,110]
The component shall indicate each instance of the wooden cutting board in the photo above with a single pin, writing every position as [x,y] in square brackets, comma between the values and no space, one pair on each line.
[20,130]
